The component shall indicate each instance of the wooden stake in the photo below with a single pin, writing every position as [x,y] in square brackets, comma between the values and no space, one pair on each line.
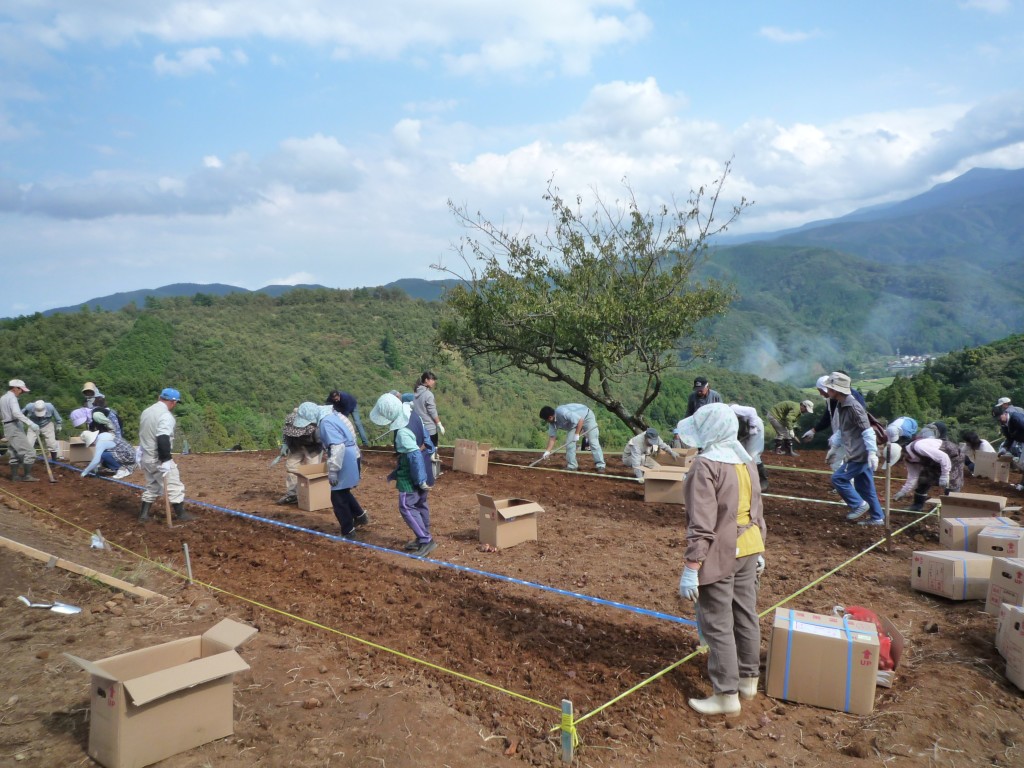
[46,459]
[567,740]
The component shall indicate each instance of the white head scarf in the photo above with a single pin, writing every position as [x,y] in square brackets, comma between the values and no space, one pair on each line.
[712,429]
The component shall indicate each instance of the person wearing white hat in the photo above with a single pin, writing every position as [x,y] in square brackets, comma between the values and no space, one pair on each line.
[854,479]
[49,422]
[834,457]
[20,432]
[111,451]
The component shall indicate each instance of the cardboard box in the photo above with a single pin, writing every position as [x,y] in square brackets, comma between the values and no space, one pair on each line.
[971,505]
[313,489]
[824,661]
[1005,584]
[507,522]
[1001,540]
[77,452]
[471,457]
[956,575]
[961,533]
[63,448]
[156,702]
[1013,647]
[684,458]
[1009,623]
[992,466]
[663,485]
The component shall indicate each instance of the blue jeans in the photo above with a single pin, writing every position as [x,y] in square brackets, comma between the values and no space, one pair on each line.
[856,484]
[108,460]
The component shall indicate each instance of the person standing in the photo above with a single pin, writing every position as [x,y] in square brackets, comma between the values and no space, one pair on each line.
[339,441]
[702,395]
[20,432]
[641,450]
[426,407]
[783,417]
[751,436]
[577,420]
[410,475]
[725,536]
[854,480]
[156,438]
[834,456]
[89,393]
[48,421]
[300,445]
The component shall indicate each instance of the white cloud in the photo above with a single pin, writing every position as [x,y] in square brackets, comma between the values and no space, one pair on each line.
[188,62]
[407,133]
[296,278]
[989,6]
[240,56]
[779,35]
[212,161]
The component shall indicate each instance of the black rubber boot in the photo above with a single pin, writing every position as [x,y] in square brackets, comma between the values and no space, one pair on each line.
[26,474]
[919,500]
[14,473]
[288,498]
[788,444]
[53,455]
[180,513]
[762,474]
[144,511]
[778,445]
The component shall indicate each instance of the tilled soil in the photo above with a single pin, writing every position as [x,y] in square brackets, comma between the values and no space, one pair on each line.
[369,657]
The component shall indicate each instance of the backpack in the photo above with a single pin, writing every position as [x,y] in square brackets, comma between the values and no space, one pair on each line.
[881,438]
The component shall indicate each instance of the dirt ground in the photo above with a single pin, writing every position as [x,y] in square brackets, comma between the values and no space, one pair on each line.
[327,688]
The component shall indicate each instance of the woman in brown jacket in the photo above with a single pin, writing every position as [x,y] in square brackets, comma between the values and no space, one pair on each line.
[725,537]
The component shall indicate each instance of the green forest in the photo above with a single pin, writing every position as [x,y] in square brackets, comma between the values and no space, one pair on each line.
[244,360]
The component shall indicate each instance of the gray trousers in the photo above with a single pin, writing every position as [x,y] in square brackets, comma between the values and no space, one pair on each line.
[19,449]
[727,615]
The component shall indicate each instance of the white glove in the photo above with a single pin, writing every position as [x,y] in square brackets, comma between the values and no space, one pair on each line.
[673,454]
[944,481]
[547,455]
[440,427]
[574,437]
[167,466]
[689,584]
[808,435]
[873,461]
[760,565]
[1002,451]
[901,494]
[332,477]
[835,439]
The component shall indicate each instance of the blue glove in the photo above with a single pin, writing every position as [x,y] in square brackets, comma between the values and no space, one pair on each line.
[688,584]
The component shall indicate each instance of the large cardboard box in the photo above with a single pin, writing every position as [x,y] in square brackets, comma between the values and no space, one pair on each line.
[77,452]
[313,489]
[971,505]
[992,466]
[1013,651]
[471,457]
[1005,584]
[956,575]
[1009,623]
[825,661]
[664,485]
[507,522]
[684,458]
[1001,540]
[150,704]
[961,533]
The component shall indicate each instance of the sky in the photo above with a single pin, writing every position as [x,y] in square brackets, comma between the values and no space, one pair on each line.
[320,141]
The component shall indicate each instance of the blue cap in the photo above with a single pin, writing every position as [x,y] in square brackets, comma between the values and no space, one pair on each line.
[170,393]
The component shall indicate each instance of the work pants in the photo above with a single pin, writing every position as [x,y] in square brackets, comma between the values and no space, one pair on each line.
[591,432]
[727,618]
[294,460]
[414,507]
[856,484]
[156,481]
[19,449]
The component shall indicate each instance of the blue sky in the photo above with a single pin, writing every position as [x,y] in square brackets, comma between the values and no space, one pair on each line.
[296,141]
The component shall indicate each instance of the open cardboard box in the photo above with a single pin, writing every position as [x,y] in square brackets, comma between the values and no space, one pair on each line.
[664,485]
[149,704]
[507,522]
[314,489]
[824,661]
[77,452]
[471,457]
[955,575]
[971,505]
[961,533]
[684,458]
[992,466]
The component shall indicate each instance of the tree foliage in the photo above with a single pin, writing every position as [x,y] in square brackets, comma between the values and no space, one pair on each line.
[603,302]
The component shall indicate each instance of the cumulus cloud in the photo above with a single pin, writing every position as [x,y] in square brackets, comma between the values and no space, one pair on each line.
[296,278]
[187,62]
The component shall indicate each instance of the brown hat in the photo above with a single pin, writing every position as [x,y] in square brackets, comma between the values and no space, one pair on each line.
[840,382]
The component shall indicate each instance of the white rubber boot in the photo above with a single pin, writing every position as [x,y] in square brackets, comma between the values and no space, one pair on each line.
[718,704]
[748,688]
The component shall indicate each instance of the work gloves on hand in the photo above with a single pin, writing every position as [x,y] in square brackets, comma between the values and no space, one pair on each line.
[574,437]
[873,461]
[440,427]
[760,565]
[689,584]
[166,466]
[673,454]
[808,435]
[1002,451]
[332,477]
[899,495]
[547,455]
[944,481]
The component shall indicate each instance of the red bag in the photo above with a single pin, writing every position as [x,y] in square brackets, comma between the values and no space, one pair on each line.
[858,613]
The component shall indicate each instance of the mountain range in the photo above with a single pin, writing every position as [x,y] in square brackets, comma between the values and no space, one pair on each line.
[937,272]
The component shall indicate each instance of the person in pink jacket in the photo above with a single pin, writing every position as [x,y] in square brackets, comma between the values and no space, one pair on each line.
[930,460]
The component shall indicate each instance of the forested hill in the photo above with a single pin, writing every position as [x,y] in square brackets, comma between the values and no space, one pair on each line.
[243,360]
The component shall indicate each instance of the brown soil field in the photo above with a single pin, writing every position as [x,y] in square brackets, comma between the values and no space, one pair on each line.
[369,657]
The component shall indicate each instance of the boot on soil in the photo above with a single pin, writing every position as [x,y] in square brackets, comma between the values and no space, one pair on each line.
[788,446]
[748,688]
[53,455]
[919,500]
[288,498]
[718,704]
[778,445]
[144,511]
[180,513]
[762,475]
[14,473]
[26,474]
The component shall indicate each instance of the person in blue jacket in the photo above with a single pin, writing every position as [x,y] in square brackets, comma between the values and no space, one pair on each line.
[342,471]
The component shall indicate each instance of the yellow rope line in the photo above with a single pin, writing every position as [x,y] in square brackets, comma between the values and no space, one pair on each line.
[293,616]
